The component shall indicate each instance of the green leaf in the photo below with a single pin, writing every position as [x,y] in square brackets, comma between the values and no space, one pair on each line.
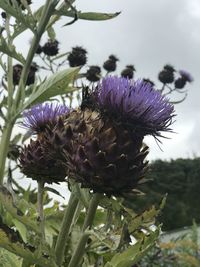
[56,17]
[135,252]
[14,10]
[7,201]
[10,51]
[19,249]
[21,229]
[95,16]
[57,84]
[51,33]
[8,259]
[53,190]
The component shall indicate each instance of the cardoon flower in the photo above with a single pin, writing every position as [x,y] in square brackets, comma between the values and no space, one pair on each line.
[41,161]
[44,158]
[186,76]
[77,57]
[93,74]
[135,104]
[51,48]
[128,72]
[102,156]
[180,83]
[40,116]
[110,64]
[17,71]
[167,74]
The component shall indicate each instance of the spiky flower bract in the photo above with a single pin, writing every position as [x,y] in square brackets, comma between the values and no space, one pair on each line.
[39,116]
[102,156]
[40,161]
[135,103]
[186,76]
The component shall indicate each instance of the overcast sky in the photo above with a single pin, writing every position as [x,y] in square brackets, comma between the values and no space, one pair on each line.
[148,34]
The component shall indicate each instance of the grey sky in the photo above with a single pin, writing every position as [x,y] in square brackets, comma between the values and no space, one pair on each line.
[148,34]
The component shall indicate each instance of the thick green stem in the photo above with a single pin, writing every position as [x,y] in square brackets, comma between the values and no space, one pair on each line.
[5,141]
[46,14]
[41,212]
[65,228]
[13,105]
[80,249]
[9,66]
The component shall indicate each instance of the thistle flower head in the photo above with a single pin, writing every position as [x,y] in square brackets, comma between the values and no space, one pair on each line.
[39,116]
[186,75]
[102,156]
[136,103]
[51,48]
[41,161]
[77,57]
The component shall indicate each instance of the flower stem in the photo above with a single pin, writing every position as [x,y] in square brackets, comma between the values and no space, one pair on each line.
[41,211]
[65,228]
[5,140]
[80,249]
[4,146]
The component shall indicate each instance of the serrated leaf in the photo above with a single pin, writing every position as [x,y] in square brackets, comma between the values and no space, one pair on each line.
[57,84]
[10,51]
[95,16]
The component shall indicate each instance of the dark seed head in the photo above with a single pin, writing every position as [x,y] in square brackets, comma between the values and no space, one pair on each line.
[77,57]
[93,74]
[110,64]
[128,72]
[51,48]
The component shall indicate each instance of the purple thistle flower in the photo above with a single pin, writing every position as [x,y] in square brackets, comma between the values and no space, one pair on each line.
[186,76]
[38,116]
[135,103]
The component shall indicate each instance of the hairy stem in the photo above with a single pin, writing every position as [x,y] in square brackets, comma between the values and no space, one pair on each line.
[80,249]
[65,228]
